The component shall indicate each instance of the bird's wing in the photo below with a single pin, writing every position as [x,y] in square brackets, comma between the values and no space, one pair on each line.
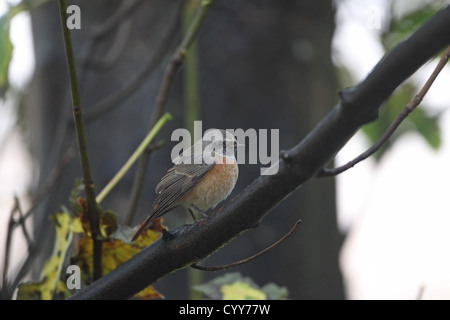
[175,184]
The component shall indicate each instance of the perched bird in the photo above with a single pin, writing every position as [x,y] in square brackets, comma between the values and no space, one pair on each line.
[194,183]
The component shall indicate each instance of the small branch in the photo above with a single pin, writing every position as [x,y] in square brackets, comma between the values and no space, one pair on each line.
[134,195]
[191,104]
[50,180]
[394,125]
[117,47]
[178,57]
[43,191]
[190,72]
[21,222]
[172,67]
[12,223]
[82,144]
[122,12]
[113,100]
[140,149]
[244,261]
[8,245]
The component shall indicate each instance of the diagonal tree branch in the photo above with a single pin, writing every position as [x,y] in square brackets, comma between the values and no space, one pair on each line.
[394,125]
[185,245]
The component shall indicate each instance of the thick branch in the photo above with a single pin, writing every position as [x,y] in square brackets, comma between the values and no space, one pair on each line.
[394,125]
[191,243]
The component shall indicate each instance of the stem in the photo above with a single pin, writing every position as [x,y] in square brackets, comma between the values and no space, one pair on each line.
[161,98]
[191,91]
[247,260]
[92,206]
[144,144]
[191,108]
[8,245]
[6,286]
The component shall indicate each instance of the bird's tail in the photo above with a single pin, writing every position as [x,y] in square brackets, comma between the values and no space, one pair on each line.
[144,225]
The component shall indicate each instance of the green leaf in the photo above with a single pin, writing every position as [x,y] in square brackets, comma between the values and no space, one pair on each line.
[373,131]
[417,121]
[6,49]
[427,126]
[235,286]
[275,292]
[241,291]
[211,289]
[401,27]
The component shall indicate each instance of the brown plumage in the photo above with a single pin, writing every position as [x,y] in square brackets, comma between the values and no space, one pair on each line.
[199,186]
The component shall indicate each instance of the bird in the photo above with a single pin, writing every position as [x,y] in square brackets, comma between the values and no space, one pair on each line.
[197,184]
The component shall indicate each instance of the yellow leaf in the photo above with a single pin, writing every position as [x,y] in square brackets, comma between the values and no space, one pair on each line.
[77,226]
[49,285]
[148,293]
[107,223]
[114,253]
[107,220]
[241,291]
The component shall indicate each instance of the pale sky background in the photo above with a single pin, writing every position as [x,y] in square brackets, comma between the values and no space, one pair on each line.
[397,212]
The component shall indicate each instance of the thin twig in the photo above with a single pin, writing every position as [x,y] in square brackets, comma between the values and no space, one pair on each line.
[132,159]
[117,47]
[120,19]
[51,180]
[151,148]
[21,222]
[190,82]
[12,223]
[394,125]
[177,59]
[43,191]
[92,206]
[113,100]
[172,67]
[8,245]
[241,262]
[191,104]
[122,12]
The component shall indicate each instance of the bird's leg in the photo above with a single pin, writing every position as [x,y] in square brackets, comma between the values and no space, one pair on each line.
[191,208]
[192,215]
[203,213]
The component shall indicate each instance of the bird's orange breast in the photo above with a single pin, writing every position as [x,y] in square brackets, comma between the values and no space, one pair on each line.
[215,186]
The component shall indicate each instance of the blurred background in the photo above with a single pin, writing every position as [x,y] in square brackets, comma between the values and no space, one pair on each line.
[378,231]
